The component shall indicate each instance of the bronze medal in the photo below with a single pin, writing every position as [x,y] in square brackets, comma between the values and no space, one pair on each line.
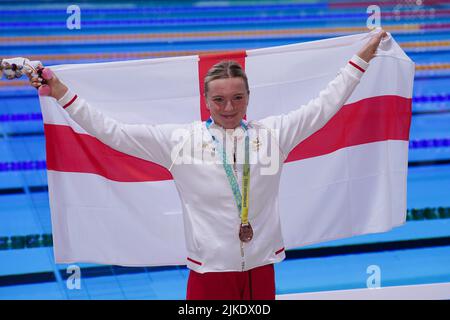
[245,232]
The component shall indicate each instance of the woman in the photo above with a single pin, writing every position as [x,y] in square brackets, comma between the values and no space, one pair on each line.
[234,237]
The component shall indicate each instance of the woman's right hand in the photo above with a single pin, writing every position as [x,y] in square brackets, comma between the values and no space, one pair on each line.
[57,88]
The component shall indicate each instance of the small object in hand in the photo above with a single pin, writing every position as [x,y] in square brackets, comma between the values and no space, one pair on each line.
[15,67]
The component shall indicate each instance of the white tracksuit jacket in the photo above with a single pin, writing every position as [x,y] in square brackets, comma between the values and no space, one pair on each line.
[211,218]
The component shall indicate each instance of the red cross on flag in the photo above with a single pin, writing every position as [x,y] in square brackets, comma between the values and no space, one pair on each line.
[347,178]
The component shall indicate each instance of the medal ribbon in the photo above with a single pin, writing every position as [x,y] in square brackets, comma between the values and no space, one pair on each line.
[241,200]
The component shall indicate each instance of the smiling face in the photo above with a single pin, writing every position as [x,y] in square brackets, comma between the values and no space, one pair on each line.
[227,101]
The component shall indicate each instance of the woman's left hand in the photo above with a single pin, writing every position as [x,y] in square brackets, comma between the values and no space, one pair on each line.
[368,51]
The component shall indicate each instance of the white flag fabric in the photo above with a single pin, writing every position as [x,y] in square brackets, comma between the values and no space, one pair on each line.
[348,178]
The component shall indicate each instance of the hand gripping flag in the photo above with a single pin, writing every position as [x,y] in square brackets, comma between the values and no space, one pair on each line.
[348,178]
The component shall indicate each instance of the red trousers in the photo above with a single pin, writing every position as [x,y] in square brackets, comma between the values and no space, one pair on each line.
[254,284]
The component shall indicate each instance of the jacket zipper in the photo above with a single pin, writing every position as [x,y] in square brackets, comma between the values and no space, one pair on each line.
[236,174]
[242,256]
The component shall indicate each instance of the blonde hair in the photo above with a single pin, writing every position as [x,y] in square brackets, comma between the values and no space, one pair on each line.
[223,70]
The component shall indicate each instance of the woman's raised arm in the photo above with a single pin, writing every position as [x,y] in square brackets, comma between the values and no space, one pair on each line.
[148,142]
[299,124]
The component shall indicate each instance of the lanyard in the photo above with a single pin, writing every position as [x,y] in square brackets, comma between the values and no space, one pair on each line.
[241,200]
